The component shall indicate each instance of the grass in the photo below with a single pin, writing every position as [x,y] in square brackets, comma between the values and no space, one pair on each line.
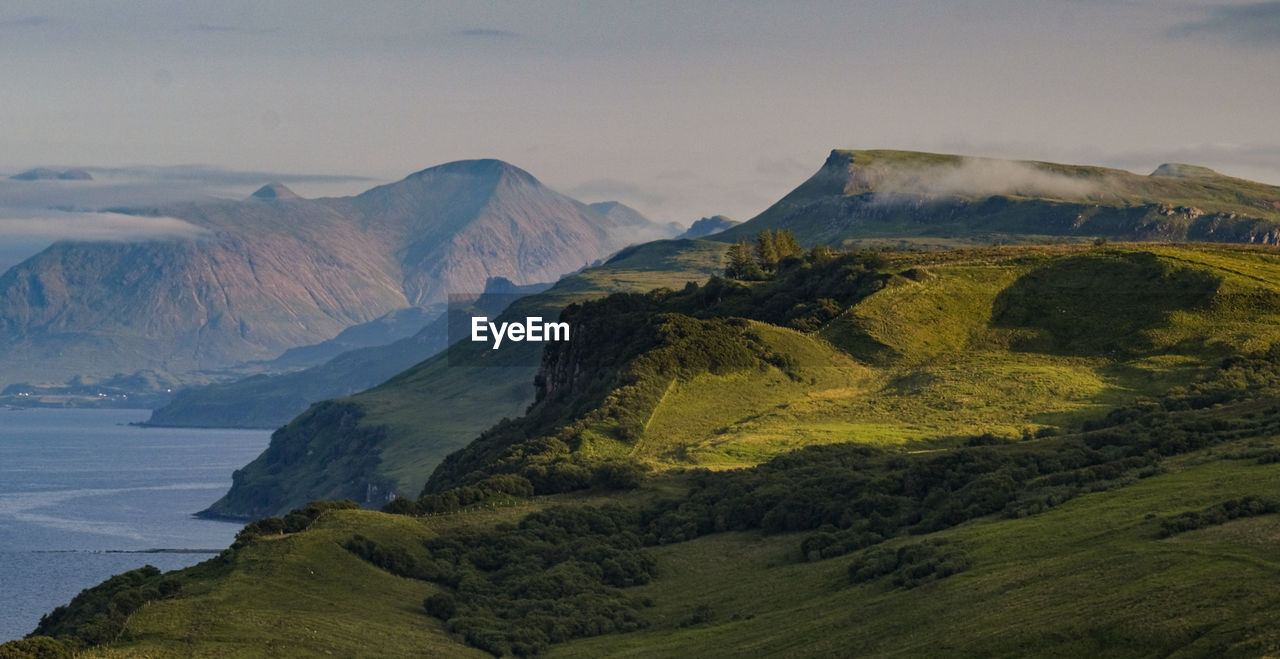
[1089,578]
[299,595]
[966,343]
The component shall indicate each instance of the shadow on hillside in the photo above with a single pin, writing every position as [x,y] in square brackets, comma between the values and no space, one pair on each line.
[1099,304]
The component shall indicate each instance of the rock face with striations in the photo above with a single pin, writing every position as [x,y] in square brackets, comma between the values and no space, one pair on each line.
[275,271]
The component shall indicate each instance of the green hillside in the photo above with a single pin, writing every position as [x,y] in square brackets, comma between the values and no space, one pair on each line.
[910,350]
[839,459]
[396,433]
[937,200]
[1150,534]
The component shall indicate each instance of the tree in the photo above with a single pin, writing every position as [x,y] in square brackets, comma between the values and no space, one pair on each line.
[440,605]
[741,264]
[821,254]
[766,250]
[787,245]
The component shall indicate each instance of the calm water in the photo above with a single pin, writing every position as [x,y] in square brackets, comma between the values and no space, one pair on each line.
[78,484]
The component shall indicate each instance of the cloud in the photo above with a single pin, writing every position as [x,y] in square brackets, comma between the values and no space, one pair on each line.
[25,21]
[486,33]
[1253,24]
[205,175]
[980,177]
[216,27]
[56,225]
[34,214]
[607,189]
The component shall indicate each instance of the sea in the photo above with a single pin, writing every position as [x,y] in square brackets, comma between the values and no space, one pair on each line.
[85,495]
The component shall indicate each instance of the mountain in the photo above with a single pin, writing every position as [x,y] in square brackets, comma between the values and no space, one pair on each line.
[399,324]
[629,219]
[270,401]
[274,191]
[256,277]
[928,199]
[384,442]
[46,174]
[707,226]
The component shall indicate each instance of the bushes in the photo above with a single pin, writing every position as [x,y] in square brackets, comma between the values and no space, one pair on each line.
[911,565]
[515,589]
[440,606]
[1250,506]
[35,647]
[297,520]
[97,615]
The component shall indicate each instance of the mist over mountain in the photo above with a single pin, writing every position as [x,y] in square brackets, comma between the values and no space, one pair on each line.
[950,200]
[275,271]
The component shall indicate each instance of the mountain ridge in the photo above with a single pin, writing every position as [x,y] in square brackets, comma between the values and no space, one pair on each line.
[955,200]
[277,271]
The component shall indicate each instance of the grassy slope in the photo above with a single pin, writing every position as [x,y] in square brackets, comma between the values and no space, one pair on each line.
[299,595]
[470,398]
[1089,578]
[433,408]
[931,363]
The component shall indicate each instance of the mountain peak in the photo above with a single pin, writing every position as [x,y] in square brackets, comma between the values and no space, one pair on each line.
[708,225]
[484,168]
[275,191]
[1182,170]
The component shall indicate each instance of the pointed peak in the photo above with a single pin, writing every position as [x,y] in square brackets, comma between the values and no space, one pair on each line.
[275,191]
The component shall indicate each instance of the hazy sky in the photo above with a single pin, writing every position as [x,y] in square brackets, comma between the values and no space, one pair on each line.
[682,109]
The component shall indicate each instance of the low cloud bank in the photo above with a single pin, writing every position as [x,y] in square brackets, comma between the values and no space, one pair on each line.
[34,214]
[56,225]
[981,177]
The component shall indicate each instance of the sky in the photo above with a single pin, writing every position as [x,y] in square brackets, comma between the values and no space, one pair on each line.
[680,109]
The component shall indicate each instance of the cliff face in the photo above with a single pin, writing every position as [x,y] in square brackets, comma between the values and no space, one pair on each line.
[276,271]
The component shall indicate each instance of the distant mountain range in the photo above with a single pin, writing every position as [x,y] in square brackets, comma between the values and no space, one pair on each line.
[707,226]
[47,174]
[275,271]
[270,401]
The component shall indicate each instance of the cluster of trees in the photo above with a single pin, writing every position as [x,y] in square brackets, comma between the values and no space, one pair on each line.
[296,520]
[754,261]
[98,614]
[515,589]
[35,647]
[1250,506]
[912,564]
